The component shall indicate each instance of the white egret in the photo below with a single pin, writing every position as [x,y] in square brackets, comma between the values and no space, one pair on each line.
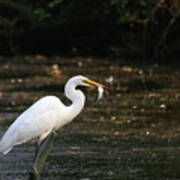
[46,115]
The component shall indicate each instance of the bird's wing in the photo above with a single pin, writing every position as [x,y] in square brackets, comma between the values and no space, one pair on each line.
[36,121]
[35,126]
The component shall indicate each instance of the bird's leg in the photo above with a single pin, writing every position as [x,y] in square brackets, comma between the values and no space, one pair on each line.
[41,156]
[37,148]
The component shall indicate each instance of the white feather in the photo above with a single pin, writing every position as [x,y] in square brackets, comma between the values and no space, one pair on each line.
[37,121]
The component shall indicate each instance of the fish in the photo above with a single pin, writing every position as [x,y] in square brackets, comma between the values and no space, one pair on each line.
[100,93]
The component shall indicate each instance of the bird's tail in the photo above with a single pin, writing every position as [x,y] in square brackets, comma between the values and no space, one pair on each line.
[5,146]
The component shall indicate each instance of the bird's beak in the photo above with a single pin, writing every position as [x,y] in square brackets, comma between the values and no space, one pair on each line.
[94,84]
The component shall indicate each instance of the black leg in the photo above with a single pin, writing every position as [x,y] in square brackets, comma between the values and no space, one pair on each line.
[41,156]
[37,147]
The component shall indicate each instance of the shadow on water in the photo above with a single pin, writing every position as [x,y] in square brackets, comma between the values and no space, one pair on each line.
[132,133]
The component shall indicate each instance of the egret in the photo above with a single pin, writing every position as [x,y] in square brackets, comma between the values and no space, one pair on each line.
[46,115]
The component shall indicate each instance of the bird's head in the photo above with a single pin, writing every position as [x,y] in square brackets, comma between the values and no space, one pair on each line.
[80,80]
[84,81]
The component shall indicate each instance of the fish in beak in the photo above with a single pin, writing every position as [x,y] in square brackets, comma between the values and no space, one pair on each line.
[100,87]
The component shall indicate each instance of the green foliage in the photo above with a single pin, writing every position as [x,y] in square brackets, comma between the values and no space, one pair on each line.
[45,12]
[144,19]
[116,11]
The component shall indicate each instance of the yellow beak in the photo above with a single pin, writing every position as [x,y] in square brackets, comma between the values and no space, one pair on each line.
[93,83]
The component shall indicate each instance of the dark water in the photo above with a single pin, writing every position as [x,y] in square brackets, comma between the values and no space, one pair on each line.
[132,133]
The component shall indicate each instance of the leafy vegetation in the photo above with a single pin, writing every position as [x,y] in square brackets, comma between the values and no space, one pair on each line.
[147,28]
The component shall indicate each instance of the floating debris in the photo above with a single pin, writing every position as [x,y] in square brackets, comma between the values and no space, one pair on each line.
[19,80]
[134,107]
[110,79]
[56,71]
[80,64]
[162,106]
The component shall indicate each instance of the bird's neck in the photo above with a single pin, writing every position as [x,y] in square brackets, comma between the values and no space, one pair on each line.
[77,97]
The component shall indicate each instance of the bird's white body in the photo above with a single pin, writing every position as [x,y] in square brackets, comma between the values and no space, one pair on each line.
[38,121]
[46,115]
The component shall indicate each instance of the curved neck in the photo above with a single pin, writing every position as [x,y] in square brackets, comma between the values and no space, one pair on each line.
[77,98]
